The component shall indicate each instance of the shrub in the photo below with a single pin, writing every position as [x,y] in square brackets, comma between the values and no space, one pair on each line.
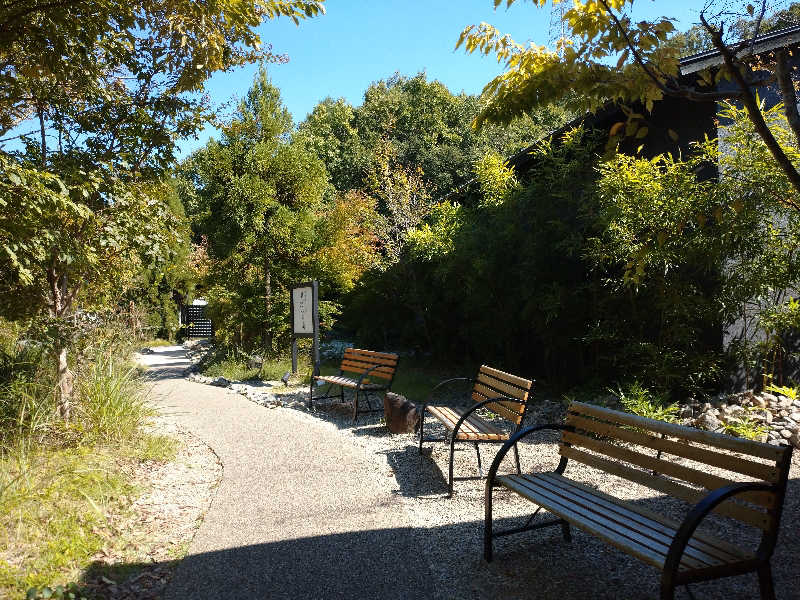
[638,400]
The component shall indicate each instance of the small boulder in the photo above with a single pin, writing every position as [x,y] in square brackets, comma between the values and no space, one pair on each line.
[401,415]
[220,382]
[708,421]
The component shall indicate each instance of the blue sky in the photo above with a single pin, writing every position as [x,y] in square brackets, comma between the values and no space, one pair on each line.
[360,41]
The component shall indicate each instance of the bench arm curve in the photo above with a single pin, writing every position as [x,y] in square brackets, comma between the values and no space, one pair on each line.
[365,373]
[472,409]
[442,383]
[699,512]
[501,454]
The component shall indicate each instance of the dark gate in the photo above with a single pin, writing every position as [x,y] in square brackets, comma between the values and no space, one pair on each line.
[197,325]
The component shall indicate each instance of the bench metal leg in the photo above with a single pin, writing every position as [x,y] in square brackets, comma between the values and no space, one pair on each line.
[311,394]
[478,452]
[565,531]
[516,459]
[765,582]
[355,405]
[421,428]
[450,471]
[487,525]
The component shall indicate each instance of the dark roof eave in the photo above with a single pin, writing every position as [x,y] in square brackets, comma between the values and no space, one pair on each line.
[763,43]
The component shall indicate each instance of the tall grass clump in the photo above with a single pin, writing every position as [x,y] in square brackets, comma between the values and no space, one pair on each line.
[62,482]
[112,405]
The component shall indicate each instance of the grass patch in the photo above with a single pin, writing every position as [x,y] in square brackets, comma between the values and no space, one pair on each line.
[158,448]
[156,343]
[54,509]
[230,365]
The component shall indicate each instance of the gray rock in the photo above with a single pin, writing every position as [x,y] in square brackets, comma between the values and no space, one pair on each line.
[786,434]
[760,401]
[769,397]
[220,382]
[795,439]
[708,421]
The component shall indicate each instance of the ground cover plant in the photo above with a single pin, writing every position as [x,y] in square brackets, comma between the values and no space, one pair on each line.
[63,484]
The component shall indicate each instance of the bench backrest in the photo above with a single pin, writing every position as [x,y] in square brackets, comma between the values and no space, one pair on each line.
[361,361]
[645,451]
[492,383]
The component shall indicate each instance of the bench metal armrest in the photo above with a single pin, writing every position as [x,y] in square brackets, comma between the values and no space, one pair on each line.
[699,512]
[436,387]
[472,409]
[517,437]
[364,375]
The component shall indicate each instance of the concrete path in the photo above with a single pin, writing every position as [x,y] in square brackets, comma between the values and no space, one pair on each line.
[298,514]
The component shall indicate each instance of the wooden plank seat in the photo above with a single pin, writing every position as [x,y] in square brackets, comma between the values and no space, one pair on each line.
[365,366]
[502,393]
[747,484]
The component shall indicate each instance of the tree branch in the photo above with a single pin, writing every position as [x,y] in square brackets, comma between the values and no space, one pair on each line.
[750,104]
[636,56]
[786,85]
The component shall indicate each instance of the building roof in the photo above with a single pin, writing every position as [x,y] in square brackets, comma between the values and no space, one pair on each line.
[781,38]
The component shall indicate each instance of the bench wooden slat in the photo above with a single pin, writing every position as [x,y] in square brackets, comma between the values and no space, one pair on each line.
[729,462]
[507,377]
[627,519]
[499,407]
[488,392]
[505,389]
[707,480]
[739,512]
[596,524]
[350,383]
[701,551]
[355,360]
[383,358]
[701,539]
[383,372]
[719,440]
[473,428]
[641,515]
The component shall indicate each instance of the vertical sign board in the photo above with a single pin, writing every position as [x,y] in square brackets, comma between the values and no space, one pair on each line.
[305,319]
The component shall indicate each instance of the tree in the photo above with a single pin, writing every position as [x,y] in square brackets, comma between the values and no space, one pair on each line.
[109,86]
[427,126]
[615,59]
[256,195]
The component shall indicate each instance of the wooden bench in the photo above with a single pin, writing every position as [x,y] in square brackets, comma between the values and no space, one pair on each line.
[670,459]
[504,394]
[366,366]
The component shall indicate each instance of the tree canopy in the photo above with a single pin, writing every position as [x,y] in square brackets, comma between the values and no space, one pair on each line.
[610,58]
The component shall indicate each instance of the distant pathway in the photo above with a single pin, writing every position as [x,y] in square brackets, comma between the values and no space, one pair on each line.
[299,513]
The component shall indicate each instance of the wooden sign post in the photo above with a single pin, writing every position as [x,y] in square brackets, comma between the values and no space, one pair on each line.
[305,319]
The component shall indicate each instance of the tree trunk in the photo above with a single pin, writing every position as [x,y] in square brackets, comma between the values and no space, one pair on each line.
[268,309]
[66,381]
[60,302]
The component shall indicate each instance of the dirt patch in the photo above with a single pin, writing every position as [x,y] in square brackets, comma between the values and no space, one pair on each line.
[146,544]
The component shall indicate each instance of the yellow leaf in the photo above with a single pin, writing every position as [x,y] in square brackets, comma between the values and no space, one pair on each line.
[642,132]
[673,134]
[615,128]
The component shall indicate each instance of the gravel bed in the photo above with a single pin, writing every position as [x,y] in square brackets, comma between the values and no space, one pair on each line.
[536,564]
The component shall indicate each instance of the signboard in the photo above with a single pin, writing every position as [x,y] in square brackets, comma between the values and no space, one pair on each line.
[303,310]
[305,319]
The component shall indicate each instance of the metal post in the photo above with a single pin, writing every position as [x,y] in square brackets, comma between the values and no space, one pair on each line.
[315,308]
[294,355]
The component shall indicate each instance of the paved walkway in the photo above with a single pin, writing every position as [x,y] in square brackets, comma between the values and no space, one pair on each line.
[298,513]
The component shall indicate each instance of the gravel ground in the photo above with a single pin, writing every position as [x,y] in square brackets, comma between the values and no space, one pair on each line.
[421,544]
[538,564]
